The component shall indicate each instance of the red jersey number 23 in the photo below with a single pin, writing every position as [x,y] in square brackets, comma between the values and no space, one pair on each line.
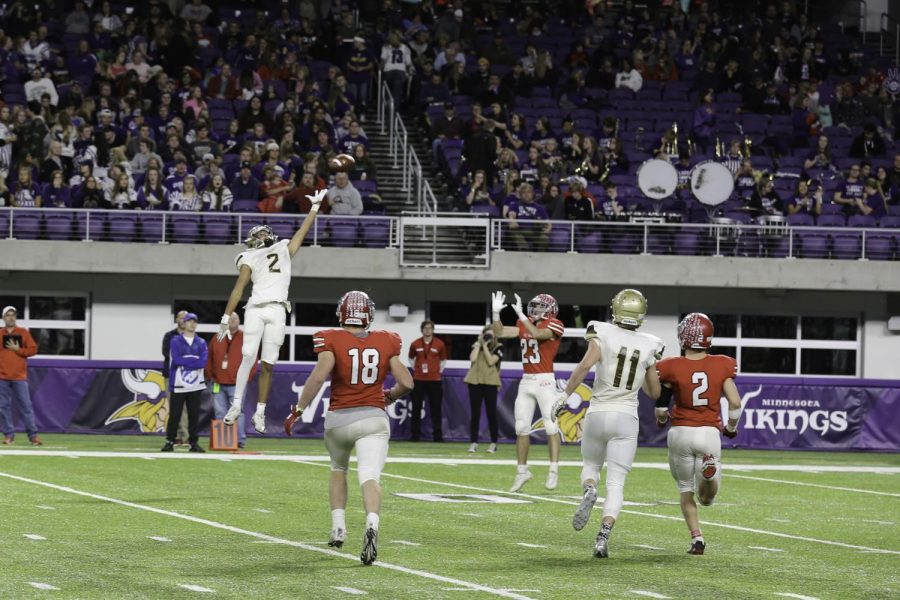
[531,352]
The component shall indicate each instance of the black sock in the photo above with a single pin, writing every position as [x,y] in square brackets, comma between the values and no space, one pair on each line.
[605,530]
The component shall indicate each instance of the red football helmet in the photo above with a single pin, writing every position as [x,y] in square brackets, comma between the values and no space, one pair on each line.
[695,331]
[356,308]
[542,306]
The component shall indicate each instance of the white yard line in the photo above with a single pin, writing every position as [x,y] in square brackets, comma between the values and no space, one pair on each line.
[814,485]
[635,512]
[404,543]
[159,538]
[34,536]
[664,466]
[798,596]
[527,545]
[42,586]
[44,507]
[196,588]
[263,510]
[648,594]
[876,521]
[645,546]
[349,590]
[764,549]
[263,536]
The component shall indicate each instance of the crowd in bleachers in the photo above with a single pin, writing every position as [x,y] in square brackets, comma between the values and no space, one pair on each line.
[183,106]
[565,102]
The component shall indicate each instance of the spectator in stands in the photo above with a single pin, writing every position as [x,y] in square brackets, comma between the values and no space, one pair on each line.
[804,122]
[353,138]
[851,191]
[481,150]
[527,227]
[771,102]
[616,160]
[253,114]
[39,85]
[297,202]
[868,144]
[364,169]
[343,198]
[704,121]
[804,201]
[885,187]
[78,20]
[847,111]
[396,65]
[153,195]
[360,67]
[18,346]
[745,181]
[272,190]
[188,356]
[477,193]
[90,195]
[56,194]
[54,161]
[142,157]
[765,200]
[578,207]
[820,156]
[120,194]
[610,207]
[244,186]
[483,382]
[221,369]
[187,198]
[874,200]
[447,126]
[552,201]
[217,197]
[25,193]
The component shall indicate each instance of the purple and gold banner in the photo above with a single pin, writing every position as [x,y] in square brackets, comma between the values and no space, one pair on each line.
[779,413]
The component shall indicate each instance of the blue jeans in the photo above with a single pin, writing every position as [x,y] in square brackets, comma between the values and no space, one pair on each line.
[16,391]
[221,402]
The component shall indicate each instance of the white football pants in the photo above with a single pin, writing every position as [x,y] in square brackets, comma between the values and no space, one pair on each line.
[611,437]
[687,446]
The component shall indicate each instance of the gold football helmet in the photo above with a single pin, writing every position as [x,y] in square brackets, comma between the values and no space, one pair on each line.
[628,308]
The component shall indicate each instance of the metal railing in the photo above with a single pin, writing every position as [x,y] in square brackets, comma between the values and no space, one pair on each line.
[885,27]
[444,240]
[404,157]
[166,227]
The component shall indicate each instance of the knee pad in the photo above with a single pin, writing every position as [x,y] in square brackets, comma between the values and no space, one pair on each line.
[550,428]
[368,474]
[522,427]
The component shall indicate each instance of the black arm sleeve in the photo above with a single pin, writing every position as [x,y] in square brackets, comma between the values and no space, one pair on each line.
[665,395]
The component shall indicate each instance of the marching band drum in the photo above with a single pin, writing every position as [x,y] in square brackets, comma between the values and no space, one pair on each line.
[657,179]
[711,183]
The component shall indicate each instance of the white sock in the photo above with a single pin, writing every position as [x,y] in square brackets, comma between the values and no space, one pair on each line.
[372,521]
[554,467]
[260,408]
[337,519]
[521,469]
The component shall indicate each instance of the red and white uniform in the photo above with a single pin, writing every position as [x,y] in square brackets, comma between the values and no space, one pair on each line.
[356,417]
[538,385]
[696,418]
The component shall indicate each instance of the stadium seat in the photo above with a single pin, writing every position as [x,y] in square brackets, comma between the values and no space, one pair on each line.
[879,246]
[687,242]
[376,233]
[151,227]
[343,231]
[801,220]
[59,226]
[831,220]
[812,245]
[184,228]
[218,229]
[485,209]
[4,223]
[122,226]
[861,221]
[244,206]
[26,225]
[846,245]
[560,238]
[248,223]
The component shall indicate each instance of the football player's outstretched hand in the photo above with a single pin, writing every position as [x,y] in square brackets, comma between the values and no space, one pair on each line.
[223,327]
[296,413]
[558,408]
[498,302]
[387,397]
[517,306]
[729,433]
[316,199]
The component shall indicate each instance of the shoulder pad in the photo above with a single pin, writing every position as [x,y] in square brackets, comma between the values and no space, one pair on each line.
[594,329]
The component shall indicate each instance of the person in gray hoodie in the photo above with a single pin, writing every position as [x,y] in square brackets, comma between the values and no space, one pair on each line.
[343,198]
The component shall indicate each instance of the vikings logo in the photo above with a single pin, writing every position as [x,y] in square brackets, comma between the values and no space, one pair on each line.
[892,81]
[150,406]
[571,422]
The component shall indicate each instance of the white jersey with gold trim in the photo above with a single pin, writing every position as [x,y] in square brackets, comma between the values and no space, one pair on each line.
[270,269]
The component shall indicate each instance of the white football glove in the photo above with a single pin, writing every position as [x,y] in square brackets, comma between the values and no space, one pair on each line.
[316,199]
[223,327]
[498,303]
[517,306]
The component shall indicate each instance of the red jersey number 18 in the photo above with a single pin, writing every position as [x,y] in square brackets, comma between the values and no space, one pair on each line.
[363,366]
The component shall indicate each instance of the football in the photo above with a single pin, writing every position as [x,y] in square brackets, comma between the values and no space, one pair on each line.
[341,162]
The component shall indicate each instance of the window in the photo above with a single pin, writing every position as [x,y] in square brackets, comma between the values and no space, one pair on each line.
[58,324]
[459,313]
[318,315]
[790,345]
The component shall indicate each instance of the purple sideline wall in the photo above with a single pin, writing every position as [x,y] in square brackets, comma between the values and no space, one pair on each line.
[779,413]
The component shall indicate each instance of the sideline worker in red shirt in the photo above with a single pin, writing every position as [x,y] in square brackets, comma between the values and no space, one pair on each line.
[221,369]
[427,356]
[17,346]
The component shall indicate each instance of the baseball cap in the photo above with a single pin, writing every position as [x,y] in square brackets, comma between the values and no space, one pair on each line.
[6,309]
[190,317]
[246,165]
[106,113]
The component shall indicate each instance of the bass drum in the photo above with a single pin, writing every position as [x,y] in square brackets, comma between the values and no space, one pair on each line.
[657,179]
[711,183]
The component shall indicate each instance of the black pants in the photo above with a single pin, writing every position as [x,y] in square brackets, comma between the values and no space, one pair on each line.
[435,392]
[176,406]
[488,394]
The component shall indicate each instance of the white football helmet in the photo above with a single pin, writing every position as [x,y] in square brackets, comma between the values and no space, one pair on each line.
[261,236]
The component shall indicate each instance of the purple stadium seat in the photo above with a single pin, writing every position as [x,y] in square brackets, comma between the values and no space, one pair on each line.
[861,221]
[623,242]
[343,232]
[832,220]
[846,245]
[801,220]
[184,228]
[4,223]
[123,226]
[687,242]
[830,208]
[813,245]
[284,227]
[780,247]
[59,226]
[889,222]
[879,247]
[90,225]
[560,239]
[26,225]
[659,240]
[894,211]
[376,233]
[748,244]
[244,206]
[485,209]
[217,229]
[151,227]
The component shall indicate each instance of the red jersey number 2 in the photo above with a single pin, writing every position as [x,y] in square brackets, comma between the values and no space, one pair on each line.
[701,383]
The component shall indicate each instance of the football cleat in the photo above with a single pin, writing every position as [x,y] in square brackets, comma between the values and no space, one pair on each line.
[233,414]
[492,448]
[520,481]
[296,413]
[259,422]
[708,468]
[168,447]
[473,447]
[337,537]
[583,513]
[370,546]
[601,547]
[697,547]
[552,479]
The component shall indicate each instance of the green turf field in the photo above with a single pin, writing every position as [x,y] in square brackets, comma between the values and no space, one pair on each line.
[231,527]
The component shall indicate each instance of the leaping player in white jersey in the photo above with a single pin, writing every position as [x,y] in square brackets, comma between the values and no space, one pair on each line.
[267,263]
[625,360]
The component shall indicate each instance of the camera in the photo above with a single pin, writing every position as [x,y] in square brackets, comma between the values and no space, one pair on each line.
[487,336]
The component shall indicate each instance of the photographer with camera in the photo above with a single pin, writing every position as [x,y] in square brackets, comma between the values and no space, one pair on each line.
[483,380]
